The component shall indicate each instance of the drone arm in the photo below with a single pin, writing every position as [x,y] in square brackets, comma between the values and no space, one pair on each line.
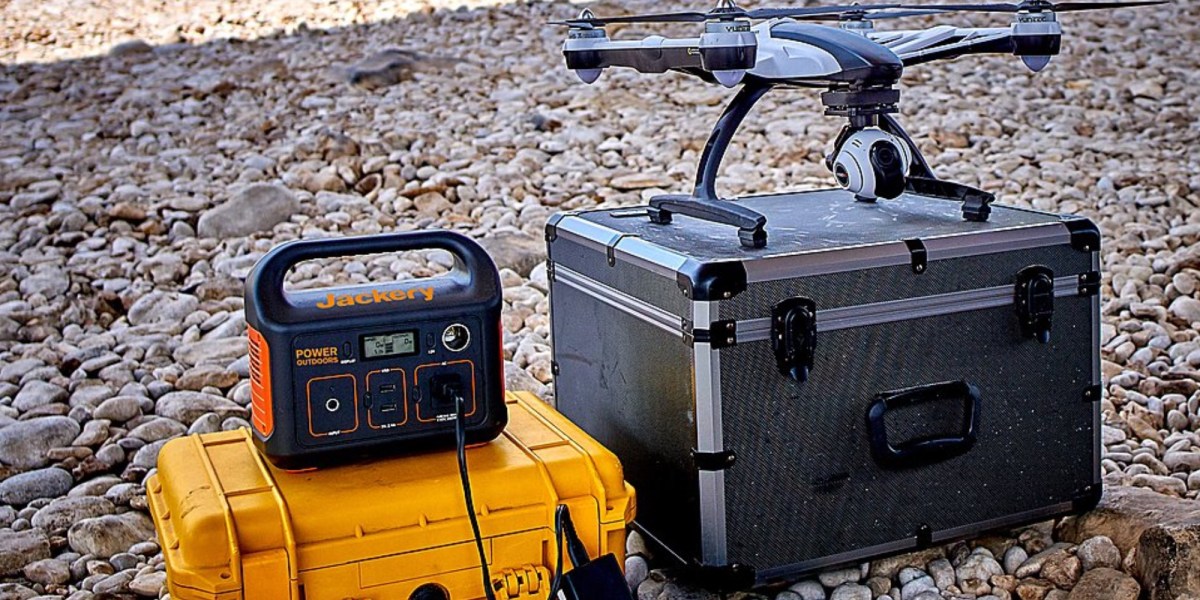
[975,42]
[651,55]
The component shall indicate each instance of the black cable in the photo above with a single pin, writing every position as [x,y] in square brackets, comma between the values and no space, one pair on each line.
[558,566]
[565,528]
[460,430]
[575,548]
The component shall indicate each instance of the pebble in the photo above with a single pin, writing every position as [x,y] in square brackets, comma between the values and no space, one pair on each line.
[1014,557]
[809,589]
[833,579]
[22,488]
[20,548]
[1098,552]
[110,534]
[24,444]
[118,409]
[148,585]
[1104,583]
[975,573]
[185,407]
[38,393]
[61,513]
[850,591]
[48,571]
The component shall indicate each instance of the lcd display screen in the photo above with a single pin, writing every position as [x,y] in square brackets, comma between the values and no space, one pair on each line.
[401,343]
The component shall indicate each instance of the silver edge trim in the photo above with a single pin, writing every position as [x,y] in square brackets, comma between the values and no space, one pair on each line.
[712,517]
[886,254]
[910,544]
[822,262]
[878,313]
[631,249]
[709,434]
[995,241]
[621,301]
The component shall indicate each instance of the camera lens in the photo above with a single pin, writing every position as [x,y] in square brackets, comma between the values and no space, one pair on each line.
[885,155]
[456,337]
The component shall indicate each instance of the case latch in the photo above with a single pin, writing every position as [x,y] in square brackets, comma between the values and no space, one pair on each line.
[794,336]
[527,581]
[1035,301]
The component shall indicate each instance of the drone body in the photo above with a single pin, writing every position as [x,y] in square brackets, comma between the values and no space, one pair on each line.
[857,65]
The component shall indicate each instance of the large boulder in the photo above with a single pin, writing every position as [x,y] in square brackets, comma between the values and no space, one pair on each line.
[257,207]
[517,251]
[1161,532]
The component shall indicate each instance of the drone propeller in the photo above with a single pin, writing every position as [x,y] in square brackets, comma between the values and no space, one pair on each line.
[727,13]
[1038,6]
[874,15]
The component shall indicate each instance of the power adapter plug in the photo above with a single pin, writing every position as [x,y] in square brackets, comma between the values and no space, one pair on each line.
[600,579]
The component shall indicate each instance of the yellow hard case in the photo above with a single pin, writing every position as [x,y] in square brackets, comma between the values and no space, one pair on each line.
[232,526]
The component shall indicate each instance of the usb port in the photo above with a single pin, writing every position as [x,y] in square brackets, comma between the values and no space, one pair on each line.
[387,388]
[387,408]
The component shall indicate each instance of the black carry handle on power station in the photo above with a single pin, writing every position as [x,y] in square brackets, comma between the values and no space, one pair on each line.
[473,266]
[926,450]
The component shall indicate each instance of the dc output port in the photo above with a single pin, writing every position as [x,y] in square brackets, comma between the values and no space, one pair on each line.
[332,405]
[456,337]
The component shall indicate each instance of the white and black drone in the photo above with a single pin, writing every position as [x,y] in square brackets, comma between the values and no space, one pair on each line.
[857,65]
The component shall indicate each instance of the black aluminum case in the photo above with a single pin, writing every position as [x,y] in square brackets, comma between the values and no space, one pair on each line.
[932,410]
[287,420]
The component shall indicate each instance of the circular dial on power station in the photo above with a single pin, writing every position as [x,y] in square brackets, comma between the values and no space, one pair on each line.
[456,337]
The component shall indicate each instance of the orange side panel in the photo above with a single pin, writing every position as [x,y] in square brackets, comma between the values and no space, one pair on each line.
[260,384]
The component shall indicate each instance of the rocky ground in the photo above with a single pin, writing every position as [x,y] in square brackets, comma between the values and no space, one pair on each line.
[150,152]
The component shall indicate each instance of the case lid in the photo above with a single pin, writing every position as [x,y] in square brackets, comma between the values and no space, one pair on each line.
[222,509]
[813,221]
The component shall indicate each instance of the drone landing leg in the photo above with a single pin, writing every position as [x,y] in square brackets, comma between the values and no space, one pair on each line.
[976,203]
[704,203]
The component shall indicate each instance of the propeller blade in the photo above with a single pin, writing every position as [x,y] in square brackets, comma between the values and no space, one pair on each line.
[680,17]
[1073,6]
[985,7]
[900,15]
[781,13]
[1034,5]
[833,13]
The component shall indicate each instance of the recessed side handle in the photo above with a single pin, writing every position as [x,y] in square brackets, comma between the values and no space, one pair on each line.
[923,450]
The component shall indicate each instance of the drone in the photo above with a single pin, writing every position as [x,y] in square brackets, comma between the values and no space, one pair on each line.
[856,65]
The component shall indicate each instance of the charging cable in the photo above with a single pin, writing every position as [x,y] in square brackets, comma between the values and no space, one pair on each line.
[460,430]
[564,528]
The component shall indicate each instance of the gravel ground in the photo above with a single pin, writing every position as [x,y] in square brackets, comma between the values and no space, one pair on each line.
[150,152]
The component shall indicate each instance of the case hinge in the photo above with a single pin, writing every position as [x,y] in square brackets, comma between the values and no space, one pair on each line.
[918,255]
[1034,301]
[1089,283]
[713,461]
[794,336]
[527,581]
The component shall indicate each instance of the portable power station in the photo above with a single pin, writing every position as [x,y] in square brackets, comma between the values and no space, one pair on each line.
[337,373]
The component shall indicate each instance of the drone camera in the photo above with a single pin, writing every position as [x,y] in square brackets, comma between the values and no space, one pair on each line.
[580,53]
[728,49]
[1036,36]
[872,164]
